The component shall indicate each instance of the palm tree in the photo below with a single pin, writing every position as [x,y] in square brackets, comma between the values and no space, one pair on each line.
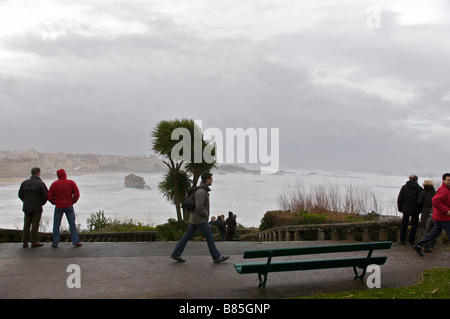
[196,168]
[176,182]
[174,187]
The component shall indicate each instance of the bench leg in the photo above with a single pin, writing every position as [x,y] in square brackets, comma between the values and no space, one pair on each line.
[358,276]
[262,282]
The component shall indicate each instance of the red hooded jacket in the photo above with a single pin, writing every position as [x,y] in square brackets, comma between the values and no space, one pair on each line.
[63,193]
[441,204]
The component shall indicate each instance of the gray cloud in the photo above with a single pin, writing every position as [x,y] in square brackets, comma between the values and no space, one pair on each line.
[343,95]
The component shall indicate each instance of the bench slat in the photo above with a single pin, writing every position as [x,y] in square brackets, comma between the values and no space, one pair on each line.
[360,262]
[317,250]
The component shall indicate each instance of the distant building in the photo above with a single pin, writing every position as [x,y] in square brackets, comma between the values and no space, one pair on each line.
[18,163]
[17,167]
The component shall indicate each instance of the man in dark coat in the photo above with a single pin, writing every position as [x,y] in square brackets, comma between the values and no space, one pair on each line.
[231,226]
[33,194]
[408,206]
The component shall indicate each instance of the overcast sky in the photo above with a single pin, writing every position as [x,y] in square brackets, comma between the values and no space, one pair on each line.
[350,84]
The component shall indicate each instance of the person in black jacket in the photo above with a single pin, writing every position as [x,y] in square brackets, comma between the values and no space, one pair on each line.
[425,199]
[220,224]
[409,207]
[231,226]
[33,193]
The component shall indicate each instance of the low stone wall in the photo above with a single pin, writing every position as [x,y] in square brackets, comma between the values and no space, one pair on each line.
[360,231]
[15,236]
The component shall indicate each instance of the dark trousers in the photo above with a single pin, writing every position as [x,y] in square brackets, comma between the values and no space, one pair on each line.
[31,220]
[431,237]
[414,223]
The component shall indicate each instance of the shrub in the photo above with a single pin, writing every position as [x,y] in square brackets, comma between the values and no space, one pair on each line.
[98,221]
[305,218]
[276,218]
[173,230]
[328,198]
[286,218]
[127,225]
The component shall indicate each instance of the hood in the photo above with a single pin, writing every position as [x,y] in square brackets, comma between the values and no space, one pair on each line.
[61,174]
[205,187]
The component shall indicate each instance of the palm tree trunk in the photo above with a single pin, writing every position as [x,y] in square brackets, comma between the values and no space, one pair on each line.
[179,216]
[185,215]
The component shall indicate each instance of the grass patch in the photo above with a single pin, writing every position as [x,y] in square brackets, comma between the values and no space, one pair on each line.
[435,284]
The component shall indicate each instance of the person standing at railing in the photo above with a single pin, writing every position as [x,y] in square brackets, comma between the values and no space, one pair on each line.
[425,199]
[64,193]
[408,206]
[33,194]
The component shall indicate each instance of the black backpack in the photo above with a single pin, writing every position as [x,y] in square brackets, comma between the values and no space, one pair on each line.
[189,201]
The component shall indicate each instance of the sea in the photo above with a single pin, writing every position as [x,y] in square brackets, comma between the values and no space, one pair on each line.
[249,196]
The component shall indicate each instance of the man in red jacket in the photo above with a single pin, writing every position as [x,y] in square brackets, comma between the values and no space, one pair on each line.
[63,193]
[441,214]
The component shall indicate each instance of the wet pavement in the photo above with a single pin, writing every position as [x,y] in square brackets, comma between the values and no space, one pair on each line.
[145,270]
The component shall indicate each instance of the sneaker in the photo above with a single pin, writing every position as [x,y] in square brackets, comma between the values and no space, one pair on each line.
[221,259]
[77,245]
[37,245]
[418,249]
[54,246]
[178,259]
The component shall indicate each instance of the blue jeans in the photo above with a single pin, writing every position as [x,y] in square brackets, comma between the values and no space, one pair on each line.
[70,215]
[431,237]
[205,230]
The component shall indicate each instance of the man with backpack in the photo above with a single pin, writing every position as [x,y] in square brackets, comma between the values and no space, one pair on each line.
[198,220]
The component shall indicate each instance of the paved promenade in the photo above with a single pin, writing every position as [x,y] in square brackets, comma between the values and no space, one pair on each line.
[144,270]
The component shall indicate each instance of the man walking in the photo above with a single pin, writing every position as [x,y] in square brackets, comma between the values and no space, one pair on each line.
[198,220]
[63,193]
[441,215]
[408,206]
[33,194]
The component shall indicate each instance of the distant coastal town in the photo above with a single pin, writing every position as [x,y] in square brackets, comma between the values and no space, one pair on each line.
[18,163]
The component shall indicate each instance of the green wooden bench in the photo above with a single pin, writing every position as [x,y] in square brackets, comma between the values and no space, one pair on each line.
[263,268]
